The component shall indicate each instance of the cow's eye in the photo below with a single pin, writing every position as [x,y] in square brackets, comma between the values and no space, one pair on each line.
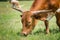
[29,23]
[20,15]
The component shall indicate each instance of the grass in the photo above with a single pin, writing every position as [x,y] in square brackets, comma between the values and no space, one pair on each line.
[10,25]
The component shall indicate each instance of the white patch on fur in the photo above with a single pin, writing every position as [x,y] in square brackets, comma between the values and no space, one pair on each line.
[58,10]
[14,0]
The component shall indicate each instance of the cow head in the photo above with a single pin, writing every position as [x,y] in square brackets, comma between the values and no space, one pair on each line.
[27,22]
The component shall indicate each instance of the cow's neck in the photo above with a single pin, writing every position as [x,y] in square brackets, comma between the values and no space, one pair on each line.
[39,5]
[44,4]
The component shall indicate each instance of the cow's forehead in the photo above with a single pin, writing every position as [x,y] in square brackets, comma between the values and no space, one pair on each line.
[26,15]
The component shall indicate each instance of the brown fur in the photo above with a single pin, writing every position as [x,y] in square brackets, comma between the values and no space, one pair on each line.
[29,20]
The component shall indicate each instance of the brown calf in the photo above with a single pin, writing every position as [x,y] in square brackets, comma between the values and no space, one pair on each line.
[15,3]
[40,10]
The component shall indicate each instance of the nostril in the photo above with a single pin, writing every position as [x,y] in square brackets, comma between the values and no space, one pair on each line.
[24,34]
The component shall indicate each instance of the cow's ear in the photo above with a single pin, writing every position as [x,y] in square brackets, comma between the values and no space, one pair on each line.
[35,16]
[20,15]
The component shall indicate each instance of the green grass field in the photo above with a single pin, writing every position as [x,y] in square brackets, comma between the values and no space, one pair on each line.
[10,25]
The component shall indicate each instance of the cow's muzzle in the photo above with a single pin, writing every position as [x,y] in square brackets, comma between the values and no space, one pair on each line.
[24,33]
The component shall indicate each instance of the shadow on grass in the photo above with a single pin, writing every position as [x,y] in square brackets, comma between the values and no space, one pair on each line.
[53,31]
[58,38]
[38,32]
